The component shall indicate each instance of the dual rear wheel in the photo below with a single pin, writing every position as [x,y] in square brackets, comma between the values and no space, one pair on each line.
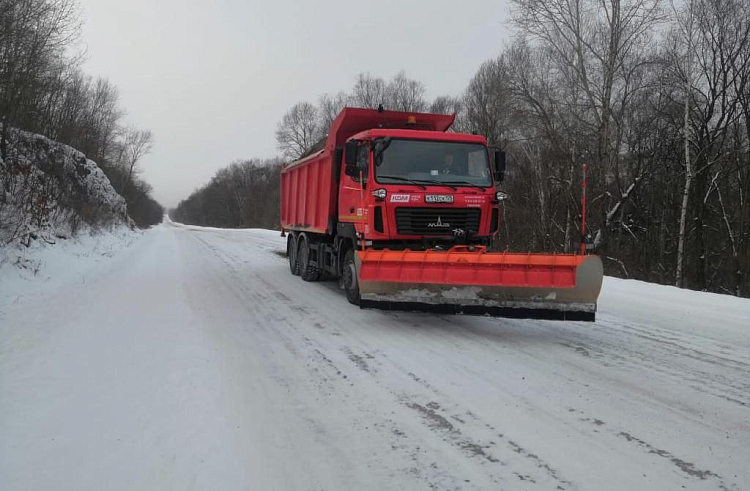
[307,270]
[298,252]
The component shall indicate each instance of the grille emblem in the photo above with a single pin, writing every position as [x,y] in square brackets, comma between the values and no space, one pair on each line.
[439,223]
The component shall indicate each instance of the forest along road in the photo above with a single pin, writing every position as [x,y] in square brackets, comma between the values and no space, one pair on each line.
[193,359]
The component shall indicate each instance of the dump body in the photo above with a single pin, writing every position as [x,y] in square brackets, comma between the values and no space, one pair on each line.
[308,194]
[405,212]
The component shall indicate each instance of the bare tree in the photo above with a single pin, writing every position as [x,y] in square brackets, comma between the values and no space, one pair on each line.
[329,107]
[298,130]
[597,46]
[368,91]
[43,91]
[686,26]
[34,37]
[405,94]
[137,144]
[446,104]
[715,39]
[487,102]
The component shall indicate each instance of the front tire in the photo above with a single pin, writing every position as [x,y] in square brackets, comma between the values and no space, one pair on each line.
[307,271]
[350,278]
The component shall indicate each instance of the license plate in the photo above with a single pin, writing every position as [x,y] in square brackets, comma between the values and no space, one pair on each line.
[438,198]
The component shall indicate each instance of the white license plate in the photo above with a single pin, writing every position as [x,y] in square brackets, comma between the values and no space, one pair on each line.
[438,198]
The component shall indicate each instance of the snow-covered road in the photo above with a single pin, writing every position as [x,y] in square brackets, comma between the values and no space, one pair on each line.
[192,359]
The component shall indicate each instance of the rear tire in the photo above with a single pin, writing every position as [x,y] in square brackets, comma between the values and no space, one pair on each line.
[350,278]
[291,252]
[307,271]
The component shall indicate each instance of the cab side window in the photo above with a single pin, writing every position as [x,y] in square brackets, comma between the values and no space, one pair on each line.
[478,164]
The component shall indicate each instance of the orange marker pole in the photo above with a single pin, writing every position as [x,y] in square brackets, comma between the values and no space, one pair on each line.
[583,213]
[362,205]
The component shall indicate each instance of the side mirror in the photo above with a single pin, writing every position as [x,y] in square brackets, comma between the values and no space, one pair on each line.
[350,157]
[350,152]
[499,166]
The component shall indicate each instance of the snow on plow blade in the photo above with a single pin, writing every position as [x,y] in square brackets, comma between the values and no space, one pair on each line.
[473,281]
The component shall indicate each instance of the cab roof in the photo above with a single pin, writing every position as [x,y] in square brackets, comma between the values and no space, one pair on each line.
[420,135]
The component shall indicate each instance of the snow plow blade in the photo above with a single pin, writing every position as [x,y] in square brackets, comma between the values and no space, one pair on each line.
[470,280]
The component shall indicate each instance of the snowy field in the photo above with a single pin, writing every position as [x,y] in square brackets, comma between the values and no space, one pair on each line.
[189,358]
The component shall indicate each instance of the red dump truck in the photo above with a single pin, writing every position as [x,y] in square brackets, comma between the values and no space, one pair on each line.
[403,213]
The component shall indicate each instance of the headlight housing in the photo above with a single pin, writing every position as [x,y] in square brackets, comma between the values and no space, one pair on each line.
[380,193]
[501,196]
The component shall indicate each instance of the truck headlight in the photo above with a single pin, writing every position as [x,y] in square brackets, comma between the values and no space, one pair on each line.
[380,193]
[500,196]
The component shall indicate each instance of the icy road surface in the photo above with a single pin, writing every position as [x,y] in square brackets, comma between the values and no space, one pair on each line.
[192,359]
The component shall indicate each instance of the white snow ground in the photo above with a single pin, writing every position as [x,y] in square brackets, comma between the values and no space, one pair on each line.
[192,359]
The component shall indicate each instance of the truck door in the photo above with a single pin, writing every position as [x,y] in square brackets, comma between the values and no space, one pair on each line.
[352,199]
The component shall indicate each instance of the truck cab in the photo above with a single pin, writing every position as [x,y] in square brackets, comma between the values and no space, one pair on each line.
[419,189]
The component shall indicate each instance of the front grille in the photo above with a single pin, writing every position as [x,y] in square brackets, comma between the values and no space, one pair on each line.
[427,221]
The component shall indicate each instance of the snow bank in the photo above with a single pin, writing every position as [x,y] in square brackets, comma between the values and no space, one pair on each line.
[42,266]
[49,190]
[715,315]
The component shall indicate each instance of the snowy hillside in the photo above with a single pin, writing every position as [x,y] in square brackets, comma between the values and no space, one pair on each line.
[191,359]
[50,189]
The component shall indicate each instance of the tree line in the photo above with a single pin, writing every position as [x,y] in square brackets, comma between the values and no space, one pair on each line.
[43,90]
[244,194]
[651,98]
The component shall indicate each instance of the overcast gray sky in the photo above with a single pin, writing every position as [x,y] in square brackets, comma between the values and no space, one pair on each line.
[212,78]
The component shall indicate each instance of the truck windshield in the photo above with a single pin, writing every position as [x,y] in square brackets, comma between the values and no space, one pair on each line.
[424,161]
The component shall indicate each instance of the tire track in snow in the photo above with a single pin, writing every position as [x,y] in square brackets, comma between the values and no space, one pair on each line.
[525,469]
[612,344]
[688,468]
[331,378]
[669,359]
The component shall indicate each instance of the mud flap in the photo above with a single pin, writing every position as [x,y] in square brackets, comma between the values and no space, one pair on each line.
[473,281]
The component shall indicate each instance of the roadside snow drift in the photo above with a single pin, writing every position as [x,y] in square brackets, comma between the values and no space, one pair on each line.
[50,189]
[192,359]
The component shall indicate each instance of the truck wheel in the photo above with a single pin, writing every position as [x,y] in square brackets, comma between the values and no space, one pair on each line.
[350,278]
[307,271]
[291,252]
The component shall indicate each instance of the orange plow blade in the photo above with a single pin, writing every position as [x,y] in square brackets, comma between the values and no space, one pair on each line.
[470,280]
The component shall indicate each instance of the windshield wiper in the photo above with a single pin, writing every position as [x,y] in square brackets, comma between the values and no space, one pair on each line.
[445,185]
[421,183]
[404,179]
[467,183]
